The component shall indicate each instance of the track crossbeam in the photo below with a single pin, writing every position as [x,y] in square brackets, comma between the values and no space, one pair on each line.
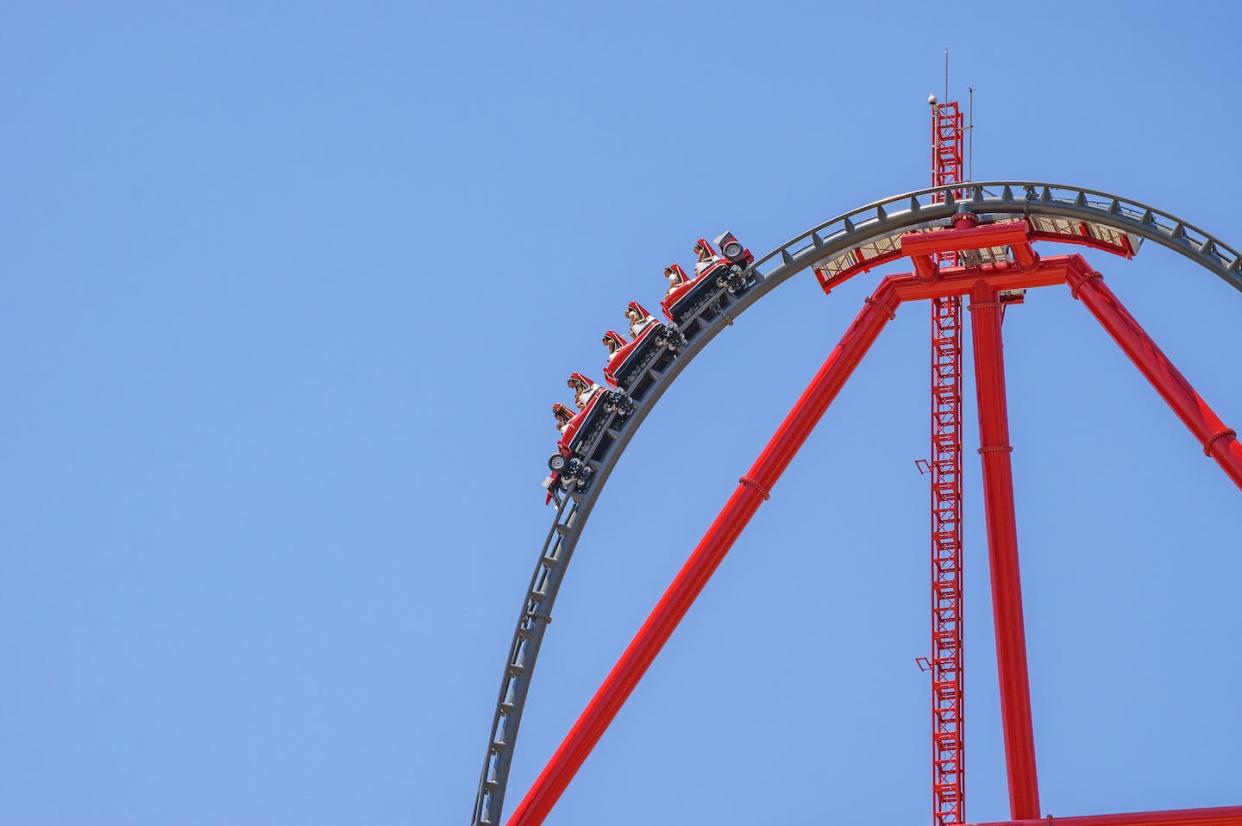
[1217,816]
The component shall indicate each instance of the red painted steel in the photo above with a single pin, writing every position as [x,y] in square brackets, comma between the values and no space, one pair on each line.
[946,152]
[1218,816]
[1219,442]
[949,241]
[986,312]
[752,489]
[984,284]
[959,280]
[948,736]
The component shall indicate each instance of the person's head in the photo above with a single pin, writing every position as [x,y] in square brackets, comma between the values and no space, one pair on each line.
[672,275]
[613,341]
[563,414]
[632,314]
[577,382]
[703,249]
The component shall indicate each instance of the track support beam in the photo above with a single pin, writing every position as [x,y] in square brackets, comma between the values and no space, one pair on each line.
[986,312]
[752,490]
[1218,816]
[1219,442]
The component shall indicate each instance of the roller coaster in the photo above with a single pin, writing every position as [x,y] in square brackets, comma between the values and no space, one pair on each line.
[971,240]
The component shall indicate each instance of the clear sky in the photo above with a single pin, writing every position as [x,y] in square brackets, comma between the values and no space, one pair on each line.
[288,290]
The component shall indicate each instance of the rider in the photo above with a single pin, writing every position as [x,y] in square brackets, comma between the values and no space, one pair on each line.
[583,389]
[676,276]
[613,341]
[638,317]
[707,256]
[563,416]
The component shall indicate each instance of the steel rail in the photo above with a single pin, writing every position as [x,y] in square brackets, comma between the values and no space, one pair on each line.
[848,230]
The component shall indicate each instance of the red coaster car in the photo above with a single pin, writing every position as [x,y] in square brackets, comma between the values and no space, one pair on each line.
[583,436]
[653,343]
[715,272]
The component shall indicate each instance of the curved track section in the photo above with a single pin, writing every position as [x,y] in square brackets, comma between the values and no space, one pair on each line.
[874,221]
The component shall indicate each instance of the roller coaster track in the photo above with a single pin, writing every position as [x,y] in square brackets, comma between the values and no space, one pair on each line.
[879,219]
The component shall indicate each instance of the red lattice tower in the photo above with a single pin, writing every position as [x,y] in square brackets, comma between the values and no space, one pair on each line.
[945,465]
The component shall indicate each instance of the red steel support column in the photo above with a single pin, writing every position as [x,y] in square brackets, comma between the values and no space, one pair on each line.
[752,489]
[1218,441]
[994,450]
[1219,816]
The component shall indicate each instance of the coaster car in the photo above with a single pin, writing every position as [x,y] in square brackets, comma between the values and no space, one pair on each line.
[716,272]
[654,343]
[582,437]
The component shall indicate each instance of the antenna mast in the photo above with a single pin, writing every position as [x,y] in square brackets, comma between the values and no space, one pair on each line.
[970,133]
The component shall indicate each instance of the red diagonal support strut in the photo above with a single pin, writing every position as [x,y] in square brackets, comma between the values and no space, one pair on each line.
[994,449]
[1219,442]
[752,489]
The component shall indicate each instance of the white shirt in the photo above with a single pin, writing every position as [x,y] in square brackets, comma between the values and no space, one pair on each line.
[699,266]
[584,396]
[637,327]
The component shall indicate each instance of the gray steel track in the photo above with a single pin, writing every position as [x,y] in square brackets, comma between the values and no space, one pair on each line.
[879,219]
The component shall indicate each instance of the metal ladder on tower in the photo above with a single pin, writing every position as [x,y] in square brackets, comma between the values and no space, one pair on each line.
[945,465]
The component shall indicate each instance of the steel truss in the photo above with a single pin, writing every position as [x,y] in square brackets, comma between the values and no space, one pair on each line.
[945,660]
[915,210]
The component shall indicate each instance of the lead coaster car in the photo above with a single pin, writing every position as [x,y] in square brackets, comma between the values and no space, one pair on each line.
[729,272]
[585,436]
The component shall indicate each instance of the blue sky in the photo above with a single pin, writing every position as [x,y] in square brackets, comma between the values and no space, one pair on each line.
[288,290]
